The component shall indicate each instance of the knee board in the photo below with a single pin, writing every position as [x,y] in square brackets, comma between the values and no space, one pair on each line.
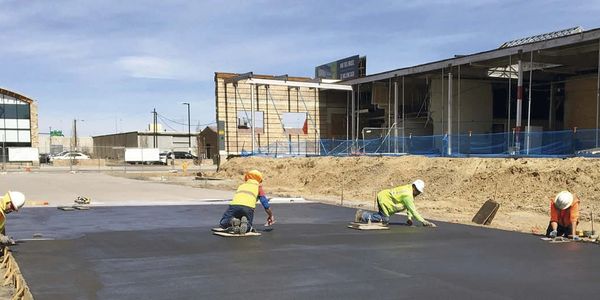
[222,232]
[364,226]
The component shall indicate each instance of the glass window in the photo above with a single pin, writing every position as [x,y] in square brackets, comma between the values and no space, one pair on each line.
[23,111]
[24,136]
[244,119]
[10,123]
[11,136]
[22,124]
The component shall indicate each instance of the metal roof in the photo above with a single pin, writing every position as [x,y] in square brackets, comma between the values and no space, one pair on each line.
[542,37]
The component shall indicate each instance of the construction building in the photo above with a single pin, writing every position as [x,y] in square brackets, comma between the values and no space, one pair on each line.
[18,127]
[548,82]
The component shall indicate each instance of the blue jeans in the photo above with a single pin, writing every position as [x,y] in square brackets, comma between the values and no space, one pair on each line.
[237,211]
[375,217]
[561,230]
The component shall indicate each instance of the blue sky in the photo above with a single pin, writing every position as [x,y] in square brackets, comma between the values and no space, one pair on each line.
[110,63]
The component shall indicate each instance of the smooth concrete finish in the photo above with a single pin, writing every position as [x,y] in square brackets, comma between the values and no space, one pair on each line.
[165,252]
[63,188]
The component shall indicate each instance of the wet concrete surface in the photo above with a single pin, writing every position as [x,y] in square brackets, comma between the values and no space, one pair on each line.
[168,252]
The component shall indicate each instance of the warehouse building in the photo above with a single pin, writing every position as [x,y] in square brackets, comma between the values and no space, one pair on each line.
[111,146]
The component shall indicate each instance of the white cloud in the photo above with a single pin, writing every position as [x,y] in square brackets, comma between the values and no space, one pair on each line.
[148,67]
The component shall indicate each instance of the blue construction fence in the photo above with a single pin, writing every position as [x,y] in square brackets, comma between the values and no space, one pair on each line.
[567,143]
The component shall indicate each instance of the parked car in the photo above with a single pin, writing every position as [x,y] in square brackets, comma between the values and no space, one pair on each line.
[70,155]
[175,155]
[44,158]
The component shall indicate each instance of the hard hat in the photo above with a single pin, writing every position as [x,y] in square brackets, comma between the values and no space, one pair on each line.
[419,185]
[254,174]
[17,199]
[563,200]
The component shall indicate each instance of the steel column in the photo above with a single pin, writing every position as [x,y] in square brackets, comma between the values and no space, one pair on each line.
[529,104]
[449,113]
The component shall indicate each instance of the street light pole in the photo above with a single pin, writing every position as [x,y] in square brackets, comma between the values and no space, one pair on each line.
[189,128]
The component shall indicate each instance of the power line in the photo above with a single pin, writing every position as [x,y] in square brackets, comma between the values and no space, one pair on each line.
[166,124]
[185,124]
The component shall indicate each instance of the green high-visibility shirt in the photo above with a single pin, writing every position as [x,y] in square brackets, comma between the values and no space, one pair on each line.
[399,199]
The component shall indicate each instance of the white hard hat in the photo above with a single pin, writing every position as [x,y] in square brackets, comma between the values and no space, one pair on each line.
[563,200]
[419,184]
[17,199]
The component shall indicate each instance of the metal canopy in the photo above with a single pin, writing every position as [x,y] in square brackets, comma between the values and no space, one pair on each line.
[283,81]
[542,37]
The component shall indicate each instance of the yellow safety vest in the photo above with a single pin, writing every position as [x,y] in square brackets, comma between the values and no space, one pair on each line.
[246,194]
[392,199]
[3,204]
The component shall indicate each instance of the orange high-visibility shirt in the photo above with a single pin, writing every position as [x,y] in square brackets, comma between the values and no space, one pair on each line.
[567,216]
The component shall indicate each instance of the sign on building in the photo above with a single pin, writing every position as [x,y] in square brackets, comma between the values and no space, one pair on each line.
[343,69]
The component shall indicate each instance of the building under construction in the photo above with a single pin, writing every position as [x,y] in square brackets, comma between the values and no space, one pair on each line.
[501,101]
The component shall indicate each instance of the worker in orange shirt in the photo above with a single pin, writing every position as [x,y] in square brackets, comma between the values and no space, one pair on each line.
[239,215]
[564,216]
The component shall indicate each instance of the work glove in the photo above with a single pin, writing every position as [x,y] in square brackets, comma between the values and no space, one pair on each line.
[270,221]
[5,240]
[428,224]
[553,234]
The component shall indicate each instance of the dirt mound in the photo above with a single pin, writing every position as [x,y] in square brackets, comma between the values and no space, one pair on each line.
[455,187]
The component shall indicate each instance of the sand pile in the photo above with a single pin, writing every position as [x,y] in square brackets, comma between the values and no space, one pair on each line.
[455,187]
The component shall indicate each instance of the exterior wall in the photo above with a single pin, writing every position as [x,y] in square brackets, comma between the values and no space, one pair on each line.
[476,110]
[103,145]
[33,115]
[46,143]
[580,102]
[285,99]
[166,142]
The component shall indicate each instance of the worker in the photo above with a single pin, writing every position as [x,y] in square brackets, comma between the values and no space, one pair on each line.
[391,201]
[564,216]
[10,202]
[239,216]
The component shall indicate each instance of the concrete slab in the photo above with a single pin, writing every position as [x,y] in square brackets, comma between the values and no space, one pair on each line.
[170,253]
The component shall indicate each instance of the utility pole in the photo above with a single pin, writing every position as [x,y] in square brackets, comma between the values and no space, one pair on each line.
[154,121]
[189,127]
[74,135]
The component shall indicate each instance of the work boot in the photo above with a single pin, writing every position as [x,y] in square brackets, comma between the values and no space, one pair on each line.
[358,216]
[244,225]
[235,225]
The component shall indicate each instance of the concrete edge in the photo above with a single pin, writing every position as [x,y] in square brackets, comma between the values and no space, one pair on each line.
[14,276]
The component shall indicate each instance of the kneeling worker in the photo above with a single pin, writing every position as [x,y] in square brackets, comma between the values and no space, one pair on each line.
[10,202]
[239,215]
[564,216]
[395,200]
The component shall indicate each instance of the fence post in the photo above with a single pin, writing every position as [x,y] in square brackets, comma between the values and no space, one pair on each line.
[573,140]
[469,144]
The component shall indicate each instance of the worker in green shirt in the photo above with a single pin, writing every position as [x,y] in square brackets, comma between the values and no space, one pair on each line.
[391,201]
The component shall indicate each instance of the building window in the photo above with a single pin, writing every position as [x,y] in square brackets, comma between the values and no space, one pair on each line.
[295,122]
[15,121]
[244,121]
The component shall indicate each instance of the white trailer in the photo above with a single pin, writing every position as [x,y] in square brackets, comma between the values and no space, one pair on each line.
[142,155]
